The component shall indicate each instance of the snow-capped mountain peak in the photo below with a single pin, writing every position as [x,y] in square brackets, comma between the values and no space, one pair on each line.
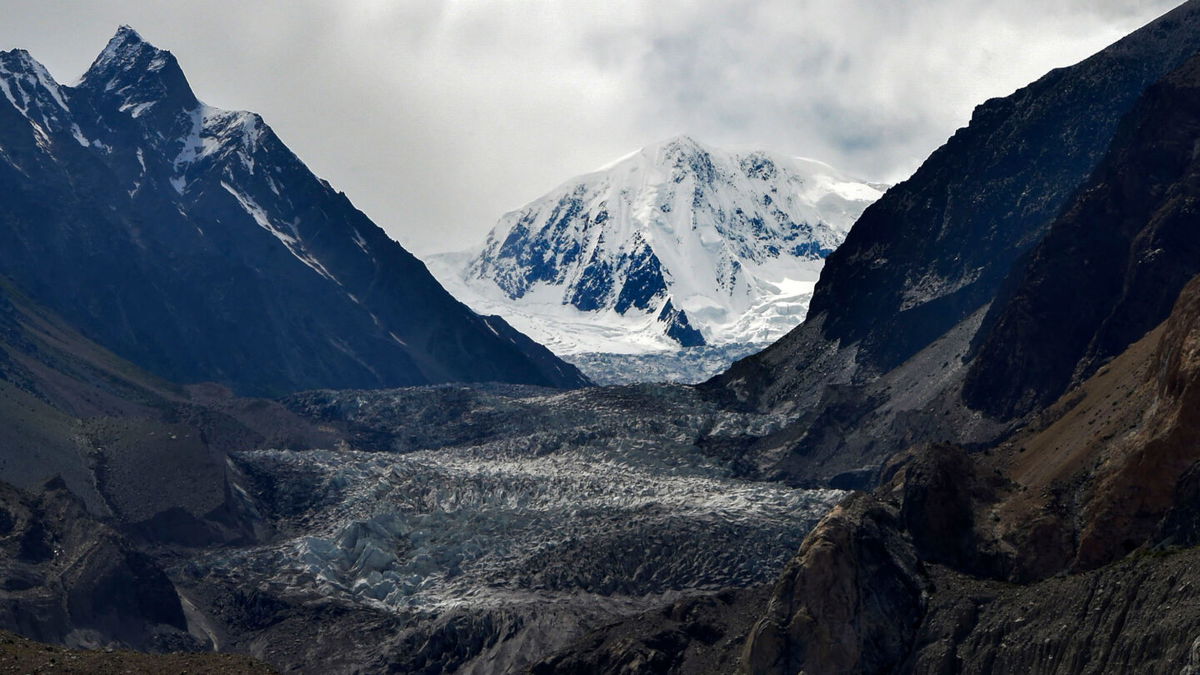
[138,78]
[676,244]
[210,251]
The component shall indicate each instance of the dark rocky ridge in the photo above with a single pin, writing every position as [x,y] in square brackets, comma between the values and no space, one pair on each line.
[903,306]
[950,234]
[1111,266]
[192,242]
[1068,496]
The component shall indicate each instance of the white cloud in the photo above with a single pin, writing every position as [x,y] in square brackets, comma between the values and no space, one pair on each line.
[436,116]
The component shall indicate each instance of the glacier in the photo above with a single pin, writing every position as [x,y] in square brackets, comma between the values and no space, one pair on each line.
[678,245]
[485,526]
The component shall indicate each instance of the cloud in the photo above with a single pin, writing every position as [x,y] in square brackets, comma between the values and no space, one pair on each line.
[436,116]
[870,86]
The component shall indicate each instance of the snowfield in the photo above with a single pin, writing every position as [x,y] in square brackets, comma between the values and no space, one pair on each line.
[676,245]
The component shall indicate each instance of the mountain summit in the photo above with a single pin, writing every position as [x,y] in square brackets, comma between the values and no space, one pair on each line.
[138,76]
[191,241]
[677,244]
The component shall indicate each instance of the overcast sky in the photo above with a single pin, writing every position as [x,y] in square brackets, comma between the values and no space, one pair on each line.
[437,116]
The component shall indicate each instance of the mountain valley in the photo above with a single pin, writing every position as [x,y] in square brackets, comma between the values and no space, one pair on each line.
[235,417]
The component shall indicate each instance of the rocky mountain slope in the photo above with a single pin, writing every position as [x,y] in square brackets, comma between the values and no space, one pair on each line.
[677,245]
[902,317]
[192,242]
[1104,491]
[1111,266]
[1061,539]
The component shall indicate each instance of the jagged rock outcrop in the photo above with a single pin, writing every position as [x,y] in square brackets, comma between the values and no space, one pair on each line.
[848,602]
[69,579]
[1054,552]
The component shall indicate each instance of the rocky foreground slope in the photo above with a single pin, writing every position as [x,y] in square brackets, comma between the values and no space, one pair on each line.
[1104,491]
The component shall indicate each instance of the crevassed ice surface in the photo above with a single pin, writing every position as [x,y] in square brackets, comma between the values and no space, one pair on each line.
[523,500]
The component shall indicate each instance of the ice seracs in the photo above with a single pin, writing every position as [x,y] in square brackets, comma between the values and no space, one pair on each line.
[676,245]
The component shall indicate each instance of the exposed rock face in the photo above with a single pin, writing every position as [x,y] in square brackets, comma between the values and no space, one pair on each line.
[1111,266]
[908,306]
[1071,495]
[191,241]
[70,579]
[847,603]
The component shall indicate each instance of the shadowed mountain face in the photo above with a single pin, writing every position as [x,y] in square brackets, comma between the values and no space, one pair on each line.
[939,246]
[99,461]
[1040,240]
[191,241]
[1111,266]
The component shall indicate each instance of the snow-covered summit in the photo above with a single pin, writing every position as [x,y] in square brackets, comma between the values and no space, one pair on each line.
[677,244]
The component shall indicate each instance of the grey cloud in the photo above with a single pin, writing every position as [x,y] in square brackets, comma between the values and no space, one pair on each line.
[436,116]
